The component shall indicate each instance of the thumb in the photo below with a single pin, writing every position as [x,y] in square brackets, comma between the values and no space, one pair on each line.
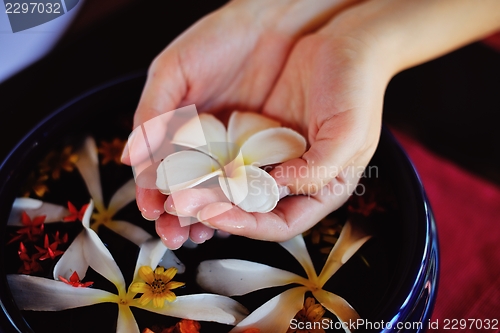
[339,143]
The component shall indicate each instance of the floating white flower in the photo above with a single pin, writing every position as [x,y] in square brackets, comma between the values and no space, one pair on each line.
[88,166]
[41,294]
[234,155]
[233,277]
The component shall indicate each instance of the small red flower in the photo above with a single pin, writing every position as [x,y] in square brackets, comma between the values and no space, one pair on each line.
[74,280]
[32,229]
[364,205]
[30,264]
[60,239]
[74,213]
[48,250]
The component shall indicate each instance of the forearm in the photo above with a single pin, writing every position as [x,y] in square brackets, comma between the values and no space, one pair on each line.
[410,32]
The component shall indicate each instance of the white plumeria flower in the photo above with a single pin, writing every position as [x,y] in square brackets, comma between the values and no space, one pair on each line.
[88,166]
[234,155]
[77,258]
[41,294]
[233,277]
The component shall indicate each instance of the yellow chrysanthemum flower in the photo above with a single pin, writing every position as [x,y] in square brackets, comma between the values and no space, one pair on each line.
[157,285]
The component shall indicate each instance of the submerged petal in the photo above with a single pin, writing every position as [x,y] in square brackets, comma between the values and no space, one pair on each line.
[350,240]
[297,248]
[242,125]
[88,165]
[126,322]
[154,253]
[34,207]
[251,188]
[273,145]
[202,307]
[276,314]
[185,169]
[40,294]
[337,305]
[122,197]
[133,233]
[233,277]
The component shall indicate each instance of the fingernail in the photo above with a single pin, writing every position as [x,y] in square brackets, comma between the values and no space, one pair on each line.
[125,158]
[149,218]
[213,210]
[283,191]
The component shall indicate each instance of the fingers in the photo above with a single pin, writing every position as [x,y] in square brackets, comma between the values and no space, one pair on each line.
[171,232]
[292,216]
[150,203]
[190,201]
[200,233]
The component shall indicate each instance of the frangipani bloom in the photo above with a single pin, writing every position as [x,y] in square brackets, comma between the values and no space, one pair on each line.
[238,277]
[88,165]
[80,254]
[234,155]
[40,294]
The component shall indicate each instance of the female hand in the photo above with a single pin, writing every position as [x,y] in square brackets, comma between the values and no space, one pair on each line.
[229,60]
[331,89]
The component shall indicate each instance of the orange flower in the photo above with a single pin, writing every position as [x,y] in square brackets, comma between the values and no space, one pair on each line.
[111,151]
[311,315]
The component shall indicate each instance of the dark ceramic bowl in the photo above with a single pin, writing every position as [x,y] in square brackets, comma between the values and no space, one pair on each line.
[395,292]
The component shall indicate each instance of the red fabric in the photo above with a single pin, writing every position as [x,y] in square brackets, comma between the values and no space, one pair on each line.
[493,41]
[467,213]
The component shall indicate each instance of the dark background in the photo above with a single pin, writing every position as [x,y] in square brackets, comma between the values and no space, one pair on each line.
[451,104]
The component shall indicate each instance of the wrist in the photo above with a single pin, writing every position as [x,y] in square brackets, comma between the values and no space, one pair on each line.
[293,18]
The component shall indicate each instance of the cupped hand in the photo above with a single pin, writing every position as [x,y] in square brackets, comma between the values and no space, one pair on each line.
[330,90]
[229,60]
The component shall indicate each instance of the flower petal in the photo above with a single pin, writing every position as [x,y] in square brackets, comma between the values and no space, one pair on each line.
[202,307]
[153,253]
[251,188]
[276,314]
[233,277]
[242,125]
[336,305]
[139,287]
[122,197]
[273,145]
[88,165]
[350,240]
[101,260]
[185,169]
[133,233]
[297,248]
[40,294]
[199,131]
[34,207]
[72,260]
[126,322]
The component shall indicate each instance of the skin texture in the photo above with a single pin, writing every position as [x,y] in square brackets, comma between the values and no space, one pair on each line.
[322,76]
